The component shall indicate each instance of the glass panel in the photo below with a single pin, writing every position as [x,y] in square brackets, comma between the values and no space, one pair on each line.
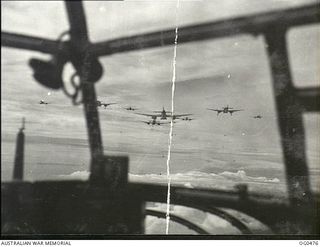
[209,151]
[312,124]
[55,134]
[303,46]
[207,221]
[36,18]
[113,19]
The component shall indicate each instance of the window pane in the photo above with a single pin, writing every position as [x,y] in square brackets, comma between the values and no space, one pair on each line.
[312,131]
[36,18]
[303,46]
[209,151]
[113,19]
[55,142]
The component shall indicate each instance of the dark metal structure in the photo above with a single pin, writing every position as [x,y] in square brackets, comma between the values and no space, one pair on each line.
[106,203]
[18,161]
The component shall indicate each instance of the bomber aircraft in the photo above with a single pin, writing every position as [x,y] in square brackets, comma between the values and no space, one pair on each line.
[163,115]
[100,103]
[226,109]
[130,108]
[42,102]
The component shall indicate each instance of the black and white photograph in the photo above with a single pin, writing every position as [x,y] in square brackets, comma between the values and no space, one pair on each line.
[165,119]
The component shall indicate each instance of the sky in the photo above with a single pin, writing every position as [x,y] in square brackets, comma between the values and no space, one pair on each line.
[210,74]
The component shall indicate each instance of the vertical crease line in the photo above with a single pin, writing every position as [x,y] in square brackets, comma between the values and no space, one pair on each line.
[171,123]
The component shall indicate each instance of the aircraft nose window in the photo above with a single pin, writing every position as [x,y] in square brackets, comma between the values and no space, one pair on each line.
[189,104]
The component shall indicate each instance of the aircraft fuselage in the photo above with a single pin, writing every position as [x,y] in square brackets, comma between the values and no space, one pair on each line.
[163,115]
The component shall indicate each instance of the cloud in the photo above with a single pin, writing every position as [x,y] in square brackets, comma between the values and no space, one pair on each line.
[241,175]
[82,175]
[193,177]
[188,179]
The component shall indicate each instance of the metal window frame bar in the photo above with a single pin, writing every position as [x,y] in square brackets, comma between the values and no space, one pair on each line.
[254,24]
[79,42]
[289,112]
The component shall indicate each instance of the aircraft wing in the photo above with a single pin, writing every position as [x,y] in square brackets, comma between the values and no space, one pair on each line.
[217,110]
[234,110]
[147,122]
[161,111]
[149,115]
[180,115]
[106,104]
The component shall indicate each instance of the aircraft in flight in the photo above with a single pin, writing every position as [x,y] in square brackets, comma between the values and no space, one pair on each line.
[42,102]
[163,115]
[186,119]
[226,109]
[130,108]
[155,122]
[257,116]
[100,103]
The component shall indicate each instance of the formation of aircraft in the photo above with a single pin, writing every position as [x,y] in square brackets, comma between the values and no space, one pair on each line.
[164,115]
[226,109]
